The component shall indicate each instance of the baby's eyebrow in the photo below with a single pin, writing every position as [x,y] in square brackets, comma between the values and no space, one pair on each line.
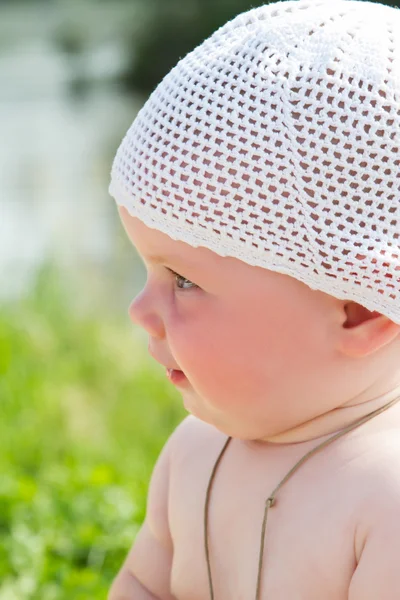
[178,261]
[171,259]
[156,258]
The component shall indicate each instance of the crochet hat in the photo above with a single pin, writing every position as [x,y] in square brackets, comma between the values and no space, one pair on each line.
[276,141]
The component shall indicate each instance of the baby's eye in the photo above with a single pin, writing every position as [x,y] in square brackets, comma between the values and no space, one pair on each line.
[182,281]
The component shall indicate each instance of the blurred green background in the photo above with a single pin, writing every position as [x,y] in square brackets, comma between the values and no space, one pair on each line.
[84,411]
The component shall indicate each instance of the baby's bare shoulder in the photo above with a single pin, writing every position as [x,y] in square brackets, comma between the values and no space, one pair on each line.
[379,468]
[375,484]
[377,539]
[193,433]
[195,444]
[382,455]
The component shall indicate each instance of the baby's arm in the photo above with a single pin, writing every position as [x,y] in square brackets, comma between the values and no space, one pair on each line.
[145,574]
[377,576]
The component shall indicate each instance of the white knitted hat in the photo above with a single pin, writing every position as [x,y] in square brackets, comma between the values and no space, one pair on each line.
[276,141]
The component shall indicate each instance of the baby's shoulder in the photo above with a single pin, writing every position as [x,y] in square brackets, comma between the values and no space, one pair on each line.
[374,484]
[382,453]
[377,470]
[194,439]
[192,433]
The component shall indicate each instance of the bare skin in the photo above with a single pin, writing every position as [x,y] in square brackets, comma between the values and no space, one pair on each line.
[309,364]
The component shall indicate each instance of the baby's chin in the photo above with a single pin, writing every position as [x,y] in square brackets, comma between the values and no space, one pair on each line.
[198,408]
[222,422]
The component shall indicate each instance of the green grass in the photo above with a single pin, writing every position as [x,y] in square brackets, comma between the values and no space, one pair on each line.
[83,415]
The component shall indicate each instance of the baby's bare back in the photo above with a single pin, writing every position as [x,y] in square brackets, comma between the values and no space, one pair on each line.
[342,504]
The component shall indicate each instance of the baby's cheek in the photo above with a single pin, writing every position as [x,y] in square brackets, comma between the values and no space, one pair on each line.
[220,369]
[201,352]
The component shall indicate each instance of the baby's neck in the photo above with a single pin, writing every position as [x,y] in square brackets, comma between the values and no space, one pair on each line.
[334,420]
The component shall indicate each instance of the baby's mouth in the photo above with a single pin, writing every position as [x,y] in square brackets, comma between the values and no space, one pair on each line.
[175,376]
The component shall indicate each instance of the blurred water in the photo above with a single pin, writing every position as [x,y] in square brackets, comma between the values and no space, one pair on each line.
[61,120]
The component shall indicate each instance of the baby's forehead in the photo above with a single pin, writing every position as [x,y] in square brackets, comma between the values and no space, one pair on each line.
[214,271]
[156,247]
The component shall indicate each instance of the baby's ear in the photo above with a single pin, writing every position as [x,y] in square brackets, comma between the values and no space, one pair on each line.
[363,331]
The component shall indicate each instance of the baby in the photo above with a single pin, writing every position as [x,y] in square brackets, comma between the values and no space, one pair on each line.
[260,184]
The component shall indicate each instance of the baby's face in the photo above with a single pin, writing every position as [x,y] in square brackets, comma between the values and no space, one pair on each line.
[256,347]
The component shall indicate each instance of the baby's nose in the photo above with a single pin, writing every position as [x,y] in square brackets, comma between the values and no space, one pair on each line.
[143,314]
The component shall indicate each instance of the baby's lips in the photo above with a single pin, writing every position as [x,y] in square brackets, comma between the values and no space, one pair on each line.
[175,376]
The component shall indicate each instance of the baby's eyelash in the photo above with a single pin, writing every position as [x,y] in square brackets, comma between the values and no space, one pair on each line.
[177,276]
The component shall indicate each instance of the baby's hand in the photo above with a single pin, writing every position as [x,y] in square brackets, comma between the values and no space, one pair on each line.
[146,572]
